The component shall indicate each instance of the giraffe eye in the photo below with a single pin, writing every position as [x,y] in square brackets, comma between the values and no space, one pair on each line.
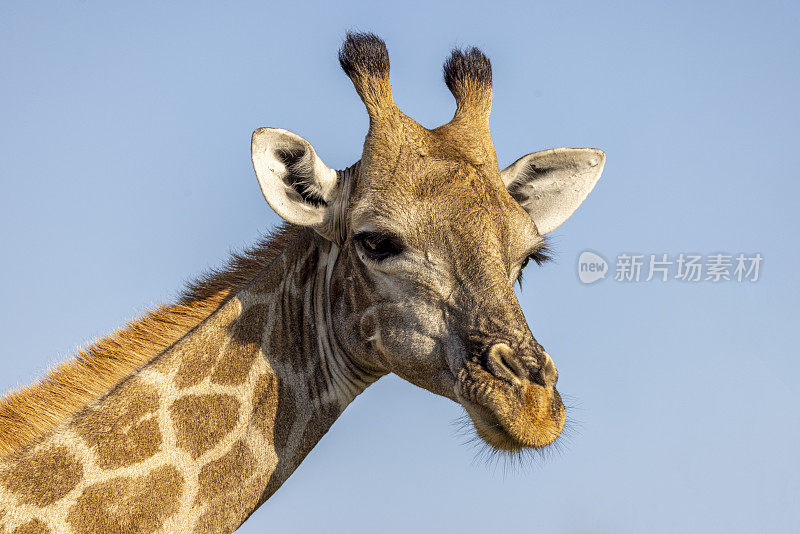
[377,246]
[540,256]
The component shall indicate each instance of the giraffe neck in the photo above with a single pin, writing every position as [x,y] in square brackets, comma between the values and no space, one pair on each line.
[202,435]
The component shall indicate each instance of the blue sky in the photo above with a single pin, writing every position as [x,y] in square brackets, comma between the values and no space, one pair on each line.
[125,171]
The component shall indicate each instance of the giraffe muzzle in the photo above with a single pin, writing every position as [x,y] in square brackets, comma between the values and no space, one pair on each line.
[511,398]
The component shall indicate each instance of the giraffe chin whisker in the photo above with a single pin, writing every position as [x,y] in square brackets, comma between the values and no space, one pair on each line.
[513,419]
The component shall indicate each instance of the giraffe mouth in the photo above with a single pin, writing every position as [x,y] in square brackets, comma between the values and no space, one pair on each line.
[510,417]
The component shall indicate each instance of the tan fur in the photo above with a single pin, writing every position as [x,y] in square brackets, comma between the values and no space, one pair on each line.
[29,412]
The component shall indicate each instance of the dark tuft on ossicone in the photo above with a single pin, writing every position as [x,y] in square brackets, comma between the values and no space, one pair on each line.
[464,65]
[363,53]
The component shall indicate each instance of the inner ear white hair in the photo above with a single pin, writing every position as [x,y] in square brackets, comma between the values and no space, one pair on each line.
[550,185]
[294,180]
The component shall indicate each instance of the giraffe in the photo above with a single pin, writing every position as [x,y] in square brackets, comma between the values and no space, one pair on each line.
[191,417]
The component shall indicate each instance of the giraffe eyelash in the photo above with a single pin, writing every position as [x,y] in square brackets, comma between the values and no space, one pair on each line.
[541,255]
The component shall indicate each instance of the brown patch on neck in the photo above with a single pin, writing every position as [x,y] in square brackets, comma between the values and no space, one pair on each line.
[234,365]
[128,504]
[30,412]
[123,430]
[228,474]
[201,421]
[34,526]
[41,478]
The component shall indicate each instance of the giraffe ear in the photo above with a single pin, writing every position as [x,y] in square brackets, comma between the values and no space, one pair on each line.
[550,185]
[294,180]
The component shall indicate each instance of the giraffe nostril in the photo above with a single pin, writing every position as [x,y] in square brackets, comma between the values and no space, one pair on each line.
[517,367]
[504,364]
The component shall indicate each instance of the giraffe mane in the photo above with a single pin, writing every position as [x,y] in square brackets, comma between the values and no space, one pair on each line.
[29,412]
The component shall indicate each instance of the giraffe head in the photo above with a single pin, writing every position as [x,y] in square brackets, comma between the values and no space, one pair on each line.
[432,236]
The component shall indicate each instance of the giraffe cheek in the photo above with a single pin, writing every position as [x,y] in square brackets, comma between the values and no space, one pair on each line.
[408,348]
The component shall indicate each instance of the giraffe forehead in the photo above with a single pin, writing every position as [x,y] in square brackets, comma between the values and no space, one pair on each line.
[416,185]
[435,202]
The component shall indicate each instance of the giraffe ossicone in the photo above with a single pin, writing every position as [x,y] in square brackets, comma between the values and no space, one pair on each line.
[191,417]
